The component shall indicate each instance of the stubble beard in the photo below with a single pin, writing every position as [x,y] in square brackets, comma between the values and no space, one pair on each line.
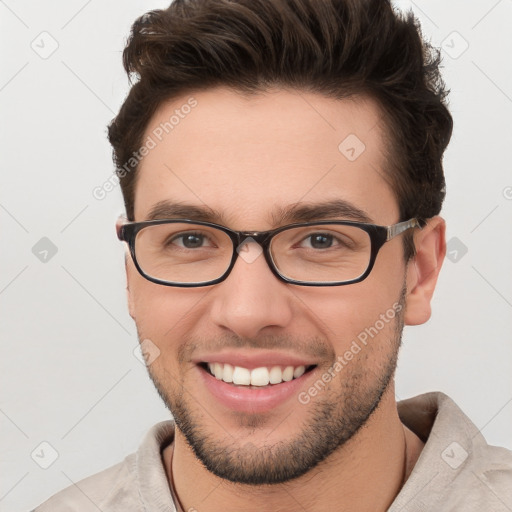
[334,419]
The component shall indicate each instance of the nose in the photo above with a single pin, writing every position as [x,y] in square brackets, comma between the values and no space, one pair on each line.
[252,299]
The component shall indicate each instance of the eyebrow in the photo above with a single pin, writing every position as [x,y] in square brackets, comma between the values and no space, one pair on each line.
[329,210]
[295,213]
[170,210]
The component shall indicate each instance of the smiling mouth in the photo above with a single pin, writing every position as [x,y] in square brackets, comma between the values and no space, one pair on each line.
[264,376]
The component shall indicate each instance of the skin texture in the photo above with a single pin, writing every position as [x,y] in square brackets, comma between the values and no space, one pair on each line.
[246,158]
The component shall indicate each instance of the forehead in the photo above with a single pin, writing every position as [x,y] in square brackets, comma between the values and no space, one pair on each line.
[247,157]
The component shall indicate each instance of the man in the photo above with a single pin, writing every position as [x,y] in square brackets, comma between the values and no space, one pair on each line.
[281,165]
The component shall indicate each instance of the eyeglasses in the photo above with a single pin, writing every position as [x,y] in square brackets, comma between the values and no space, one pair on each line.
[190,253]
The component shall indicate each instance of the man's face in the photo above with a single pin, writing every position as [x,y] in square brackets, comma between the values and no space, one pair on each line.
[250,159]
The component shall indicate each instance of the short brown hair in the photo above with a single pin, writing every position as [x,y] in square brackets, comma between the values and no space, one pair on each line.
[338,48]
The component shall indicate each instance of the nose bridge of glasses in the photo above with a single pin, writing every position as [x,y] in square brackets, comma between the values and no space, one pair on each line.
[259,237]
[251,244]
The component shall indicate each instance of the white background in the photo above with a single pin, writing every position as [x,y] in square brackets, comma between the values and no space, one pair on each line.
[68,373]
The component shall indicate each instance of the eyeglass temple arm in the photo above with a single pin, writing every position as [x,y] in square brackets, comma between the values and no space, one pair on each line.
[396,229]
[121,221]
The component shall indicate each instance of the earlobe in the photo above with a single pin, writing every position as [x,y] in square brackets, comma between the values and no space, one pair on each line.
[423,270]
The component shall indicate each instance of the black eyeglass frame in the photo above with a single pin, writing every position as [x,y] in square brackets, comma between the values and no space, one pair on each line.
[379,235]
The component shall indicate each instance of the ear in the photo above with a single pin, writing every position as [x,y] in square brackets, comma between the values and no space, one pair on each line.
[127,258]
[423,270]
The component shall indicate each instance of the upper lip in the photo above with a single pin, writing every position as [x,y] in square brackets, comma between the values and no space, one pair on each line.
[251,360]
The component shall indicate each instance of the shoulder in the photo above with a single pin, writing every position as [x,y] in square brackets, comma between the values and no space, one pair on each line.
[137,483]
[480,478]
[457,469]
[94,491]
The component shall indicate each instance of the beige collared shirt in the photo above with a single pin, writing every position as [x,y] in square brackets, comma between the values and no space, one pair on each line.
[456,471]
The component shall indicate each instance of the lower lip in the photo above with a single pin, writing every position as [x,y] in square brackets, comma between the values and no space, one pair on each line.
[252,399]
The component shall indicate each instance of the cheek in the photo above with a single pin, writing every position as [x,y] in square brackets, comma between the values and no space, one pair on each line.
[162,312]
[362,312]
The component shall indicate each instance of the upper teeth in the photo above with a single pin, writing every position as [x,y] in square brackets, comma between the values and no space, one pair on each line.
[257,377]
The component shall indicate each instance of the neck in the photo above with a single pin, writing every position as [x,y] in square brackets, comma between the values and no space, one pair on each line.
[364,474]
